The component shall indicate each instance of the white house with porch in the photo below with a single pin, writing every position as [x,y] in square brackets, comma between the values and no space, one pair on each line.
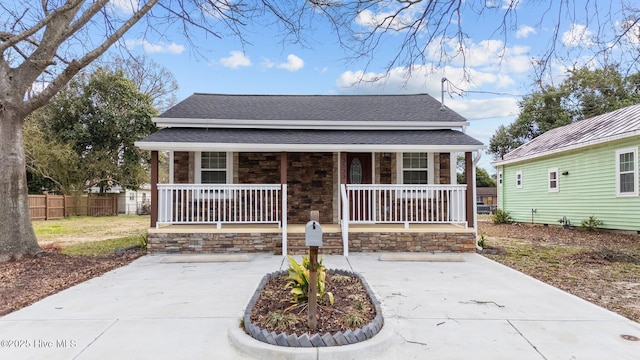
[245,170]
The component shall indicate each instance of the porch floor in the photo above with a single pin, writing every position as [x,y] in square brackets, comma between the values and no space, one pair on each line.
[300,228]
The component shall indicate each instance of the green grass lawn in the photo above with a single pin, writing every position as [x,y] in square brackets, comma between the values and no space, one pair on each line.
[105,247]
[85,235]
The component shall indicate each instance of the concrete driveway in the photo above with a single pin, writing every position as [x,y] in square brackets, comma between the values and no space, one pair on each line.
[157,308]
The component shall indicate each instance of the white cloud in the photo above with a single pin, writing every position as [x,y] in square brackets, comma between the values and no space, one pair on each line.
[506,4]
[510,4]
[387,20]
[491,55]
[294,63]
[476,109]
[236,60]
[524,31]
[125,6]
[577,35]
[428,79]
[420,79]
[633,31]
[150,48]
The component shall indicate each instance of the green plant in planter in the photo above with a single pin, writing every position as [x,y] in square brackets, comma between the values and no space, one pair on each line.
[353,320]
[299,281]
[281,321]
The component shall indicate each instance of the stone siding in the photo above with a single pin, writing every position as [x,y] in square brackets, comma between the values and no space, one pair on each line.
[412,242]
[384,168]
[310,186]
[443,163]
[181,167]
[258,168]
[189,243]
[208,243]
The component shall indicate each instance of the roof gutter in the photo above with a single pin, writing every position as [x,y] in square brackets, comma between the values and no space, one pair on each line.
[163,122]
[249,147]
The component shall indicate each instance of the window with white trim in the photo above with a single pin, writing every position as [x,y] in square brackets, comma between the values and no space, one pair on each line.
[500,178]
[627,172]
[554,184]
[415,168]
[519,179]
[213,167]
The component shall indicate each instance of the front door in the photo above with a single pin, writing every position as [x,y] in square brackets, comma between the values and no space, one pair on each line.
[359,172]
[358,168]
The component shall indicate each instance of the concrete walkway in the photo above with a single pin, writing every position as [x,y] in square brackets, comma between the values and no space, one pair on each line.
[156,309]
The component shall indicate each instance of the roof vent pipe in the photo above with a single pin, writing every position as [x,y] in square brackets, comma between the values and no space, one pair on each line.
[442,107]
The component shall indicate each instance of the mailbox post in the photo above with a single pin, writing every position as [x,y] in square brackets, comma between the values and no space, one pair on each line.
[313,239]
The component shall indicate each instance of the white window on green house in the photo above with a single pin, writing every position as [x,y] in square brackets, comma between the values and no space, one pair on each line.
[554,185]
[627,172]
[519,179]
[415,168]
[499,178]
[213,167]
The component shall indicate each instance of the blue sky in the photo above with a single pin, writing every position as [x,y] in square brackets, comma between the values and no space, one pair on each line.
[498,73]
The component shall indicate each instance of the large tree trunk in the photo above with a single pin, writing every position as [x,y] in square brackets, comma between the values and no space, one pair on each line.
[16,237]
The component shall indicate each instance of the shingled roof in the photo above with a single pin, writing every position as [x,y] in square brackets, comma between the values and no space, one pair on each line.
[328,108]
[326,139]
[214,122]
[618,124]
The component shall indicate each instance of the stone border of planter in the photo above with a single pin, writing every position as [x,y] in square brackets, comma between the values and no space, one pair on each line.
[316,340]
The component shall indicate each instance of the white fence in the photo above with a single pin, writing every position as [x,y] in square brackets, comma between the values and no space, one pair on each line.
[221,204]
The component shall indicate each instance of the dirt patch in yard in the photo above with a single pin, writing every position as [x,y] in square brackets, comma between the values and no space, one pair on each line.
[601,267]
[32,278]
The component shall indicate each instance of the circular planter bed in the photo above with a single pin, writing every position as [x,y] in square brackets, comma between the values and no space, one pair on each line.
[355,316]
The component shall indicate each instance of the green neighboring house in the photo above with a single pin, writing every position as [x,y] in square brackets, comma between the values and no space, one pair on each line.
[587,168]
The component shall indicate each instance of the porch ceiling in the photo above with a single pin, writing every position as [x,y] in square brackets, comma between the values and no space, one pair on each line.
[203,139]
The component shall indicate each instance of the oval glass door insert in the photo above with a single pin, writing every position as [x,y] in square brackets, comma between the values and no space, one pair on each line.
[355,172]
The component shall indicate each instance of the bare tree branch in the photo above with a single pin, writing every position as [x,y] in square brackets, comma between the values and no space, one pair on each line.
[76,65]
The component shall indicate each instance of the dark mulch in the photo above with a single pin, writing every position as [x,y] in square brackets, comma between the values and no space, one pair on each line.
[602,267]
[352,305]
[31,278]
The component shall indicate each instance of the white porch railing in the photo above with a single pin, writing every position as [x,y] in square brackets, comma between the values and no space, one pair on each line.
[221,204]
[401,204]
[406,204]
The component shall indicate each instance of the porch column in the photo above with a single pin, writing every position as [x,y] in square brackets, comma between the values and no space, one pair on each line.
[283,167]
[283,188]
[343,168]
[471,184]
[154,188]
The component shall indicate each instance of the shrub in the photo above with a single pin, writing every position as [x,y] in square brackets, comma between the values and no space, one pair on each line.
[353,321]
[299,281]
[591,223]
[280,321]
[502,217]
[481,241]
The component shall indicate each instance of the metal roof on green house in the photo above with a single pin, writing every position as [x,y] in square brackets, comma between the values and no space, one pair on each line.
[618,124]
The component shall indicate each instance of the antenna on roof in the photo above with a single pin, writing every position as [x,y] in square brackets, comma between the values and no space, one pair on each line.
[442,107]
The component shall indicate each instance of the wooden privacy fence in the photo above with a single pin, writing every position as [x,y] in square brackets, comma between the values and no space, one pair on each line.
[50,207]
